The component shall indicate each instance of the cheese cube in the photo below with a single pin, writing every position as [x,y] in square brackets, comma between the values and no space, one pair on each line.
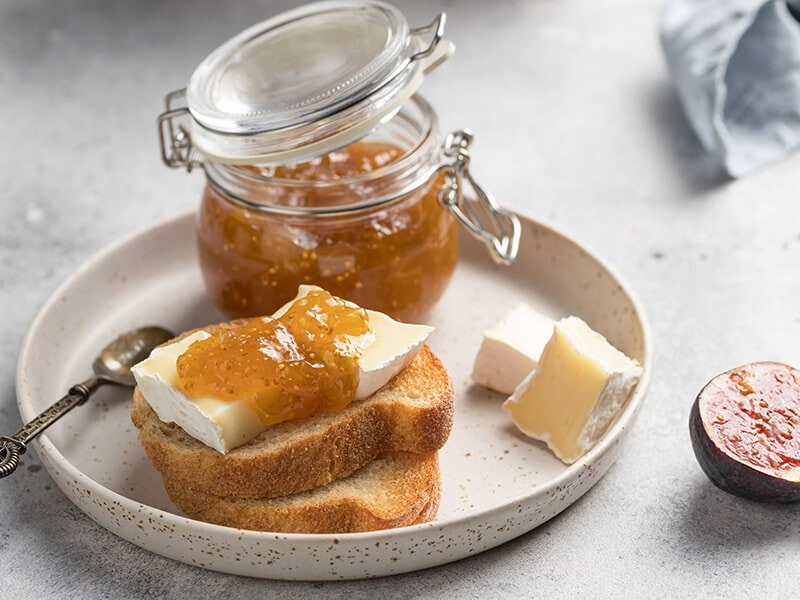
[510,349]
[579,386]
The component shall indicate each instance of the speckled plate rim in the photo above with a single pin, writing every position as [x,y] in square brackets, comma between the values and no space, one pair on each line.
[443,541]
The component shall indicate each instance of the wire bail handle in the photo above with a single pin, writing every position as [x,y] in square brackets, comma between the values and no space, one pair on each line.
[497,227]
[176,142]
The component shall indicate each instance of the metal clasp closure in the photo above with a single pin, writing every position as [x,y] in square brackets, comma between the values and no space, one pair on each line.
[176,143]
[498,228]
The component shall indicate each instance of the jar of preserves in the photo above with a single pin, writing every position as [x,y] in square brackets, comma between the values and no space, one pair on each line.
[325,166]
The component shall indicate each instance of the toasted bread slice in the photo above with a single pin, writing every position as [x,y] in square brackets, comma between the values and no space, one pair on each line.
[397,489]
[411,413]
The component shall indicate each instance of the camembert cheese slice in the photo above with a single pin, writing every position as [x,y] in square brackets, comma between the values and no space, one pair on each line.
[575,392]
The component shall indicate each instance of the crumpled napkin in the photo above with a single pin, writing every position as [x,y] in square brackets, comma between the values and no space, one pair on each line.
[736,64]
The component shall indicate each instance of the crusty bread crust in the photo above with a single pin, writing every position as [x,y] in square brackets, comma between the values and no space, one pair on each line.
[395,490]
[411,413]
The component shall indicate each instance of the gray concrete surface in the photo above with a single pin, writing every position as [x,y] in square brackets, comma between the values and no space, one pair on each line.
[577,124]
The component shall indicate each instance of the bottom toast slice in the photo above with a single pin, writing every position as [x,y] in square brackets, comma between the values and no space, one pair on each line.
[394,490]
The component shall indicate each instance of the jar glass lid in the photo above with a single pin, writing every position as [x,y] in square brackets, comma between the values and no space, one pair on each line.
[308,81]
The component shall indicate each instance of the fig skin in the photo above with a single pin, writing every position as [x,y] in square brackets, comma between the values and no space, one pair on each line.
[729,473]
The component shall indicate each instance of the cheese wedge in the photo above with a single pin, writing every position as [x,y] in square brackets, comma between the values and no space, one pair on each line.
[575,392]
[224,425]
[511,348]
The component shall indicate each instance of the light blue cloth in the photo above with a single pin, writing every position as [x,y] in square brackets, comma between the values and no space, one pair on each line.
[736,64]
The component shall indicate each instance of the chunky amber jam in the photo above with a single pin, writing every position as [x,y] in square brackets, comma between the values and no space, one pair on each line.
[396,257]
[356,159]
[303,363]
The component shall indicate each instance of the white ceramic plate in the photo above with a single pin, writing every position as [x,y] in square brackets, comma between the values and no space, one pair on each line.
[496,484]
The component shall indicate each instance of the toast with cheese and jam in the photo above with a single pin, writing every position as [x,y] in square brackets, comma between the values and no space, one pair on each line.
[370,464]
[411,413]
[324,417]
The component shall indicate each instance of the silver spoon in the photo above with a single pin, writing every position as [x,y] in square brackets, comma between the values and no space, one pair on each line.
[113,365]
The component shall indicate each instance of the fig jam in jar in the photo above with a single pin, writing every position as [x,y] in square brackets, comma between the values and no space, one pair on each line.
[363,222]
[324,166]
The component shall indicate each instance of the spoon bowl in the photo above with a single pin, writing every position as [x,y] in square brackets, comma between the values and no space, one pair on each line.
[112,366]
[114,362]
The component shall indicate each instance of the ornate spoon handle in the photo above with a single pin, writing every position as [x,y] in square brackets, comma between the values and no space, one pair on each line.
[11,447]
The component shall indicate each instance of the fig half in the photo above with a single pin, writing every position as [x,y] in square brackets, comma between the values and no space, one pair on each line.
[745,431]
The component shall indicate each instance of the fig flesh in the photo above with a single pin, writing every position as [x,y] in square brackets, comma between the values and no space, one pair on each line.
[745,431]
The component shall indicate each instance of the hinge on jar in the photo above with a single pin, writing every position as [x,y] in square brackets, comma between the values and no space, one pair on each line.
[498,228]
[176,144]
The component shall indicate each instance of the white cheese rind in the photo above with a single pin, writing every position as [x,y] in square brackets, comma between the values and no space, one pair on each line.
[510,349]
[394,346]
[225,425]
[576,391]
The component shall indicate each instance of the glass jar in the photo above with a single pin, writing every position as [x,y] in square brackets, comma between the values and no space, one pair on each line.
[379,238]
[276,111]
